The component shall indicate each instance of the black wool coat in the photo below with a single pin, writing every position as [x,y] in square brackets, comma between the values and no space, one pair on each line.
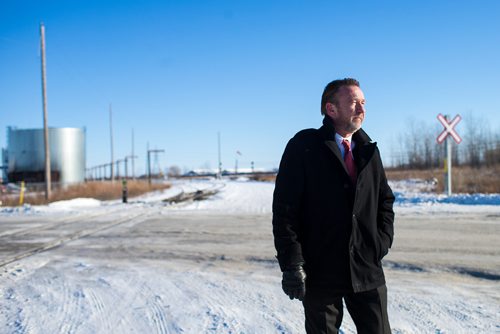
[337,230]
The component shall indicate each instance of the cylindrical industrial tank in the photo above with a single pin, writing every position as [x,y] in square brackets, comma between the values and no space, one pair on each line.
[26,154]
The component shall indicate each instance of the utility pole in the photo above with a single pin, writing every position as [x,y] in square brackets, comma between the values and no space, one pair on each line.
[236,165]
[148,167]
[133,156]
[111,140]
[118,161]
[45,117]
[149,161]
[126,167]
[105,168]
[219,175]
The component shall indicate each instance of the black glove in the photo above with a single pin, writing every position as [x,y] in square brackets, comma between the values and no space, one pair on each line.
[294,283]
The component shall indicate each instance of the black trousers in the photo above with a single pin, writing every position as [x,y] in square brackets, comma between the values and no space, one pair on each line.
[368,310]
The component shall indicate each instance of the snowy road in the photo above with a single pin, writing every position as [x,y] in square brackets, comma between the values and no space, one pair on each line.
[209,267]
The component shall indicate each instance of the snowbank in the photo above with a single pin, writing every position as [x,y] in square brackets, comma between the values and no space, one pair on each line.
[244,196]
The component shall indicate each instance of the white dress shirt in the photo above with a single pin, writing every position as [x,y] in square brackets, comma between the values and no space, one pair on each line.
[339,139]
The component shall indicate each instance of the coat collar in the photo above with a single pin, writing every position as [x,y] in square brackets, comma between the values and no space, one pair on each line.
[363,151]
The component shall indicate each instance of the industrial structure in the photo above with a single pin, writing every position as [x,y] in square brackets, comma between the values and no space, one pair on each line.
[25,161]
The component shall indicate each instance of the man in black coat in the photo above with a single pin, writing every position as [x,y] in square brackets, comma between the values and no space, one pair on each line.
[333,217]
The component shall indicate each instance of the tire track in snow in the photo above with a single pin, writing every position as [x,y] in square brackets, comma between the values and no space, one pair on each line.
[152,309]
[19,322]
[120,312]
[125,312]
[421,310]
[103,306]
[74,301]
[71,309]
[25,321]
[158,310]
[157,314]
[99,310]
[220,305]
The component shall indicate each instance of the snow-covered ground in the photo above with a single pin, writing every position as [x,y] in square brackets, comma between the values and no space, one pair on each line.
[208,266]
[414,196]
[245,197]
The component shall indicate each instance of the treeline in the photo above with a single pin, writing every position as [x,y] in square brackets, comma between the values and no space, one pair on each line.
[417,147]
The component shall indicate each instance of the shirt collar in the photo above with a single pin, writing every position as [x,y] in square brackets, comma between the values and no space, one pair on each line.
[339,139]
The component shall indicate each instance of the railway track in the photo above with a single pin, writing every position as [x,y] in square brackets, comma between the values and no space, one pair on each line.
[16,232]
[17,244]
[86,227]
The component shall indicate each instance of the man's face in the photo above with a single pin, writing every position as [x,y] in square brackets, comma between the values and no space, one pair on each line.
[348,112]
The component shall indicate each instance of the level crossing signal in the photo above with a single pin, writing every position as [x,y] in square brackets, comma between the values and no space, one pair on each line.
[449,129]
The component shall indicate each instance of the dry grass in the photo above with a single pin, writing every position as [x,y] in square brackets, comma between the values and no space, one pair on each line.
[464,179]
[98,190]
[404,174]
[264,177]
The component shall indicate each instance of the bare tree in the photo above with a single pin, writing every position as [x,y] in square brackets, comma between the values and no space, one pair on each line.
[492,152]
[419,150]
[472,140]
[174,171]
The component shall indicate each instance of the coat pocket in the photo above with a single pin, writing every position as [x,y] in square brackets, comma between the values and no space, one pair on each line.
[382,249]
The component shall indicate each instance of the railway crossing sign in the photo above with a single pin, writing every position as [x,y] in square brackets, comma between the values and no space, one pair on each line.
[449,129]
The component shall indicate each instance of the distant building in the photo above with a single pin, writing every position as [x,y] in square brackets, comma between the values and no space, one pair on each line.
[25,155]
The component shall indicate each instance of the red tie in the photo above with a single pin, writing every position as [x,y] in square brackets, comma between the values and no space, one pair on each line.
[349,161]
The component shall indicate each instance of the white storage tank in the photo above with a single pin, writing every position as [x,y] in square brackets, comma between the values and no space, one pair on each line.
[26,155]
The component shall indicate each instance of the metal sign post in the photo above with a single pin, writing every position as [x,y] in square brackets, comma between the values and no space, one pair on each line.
[447,167]
[448,132]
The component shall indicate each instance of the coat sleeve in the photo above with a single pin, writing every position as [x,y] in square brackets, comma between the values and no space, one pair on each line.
[287,197]
[385,215]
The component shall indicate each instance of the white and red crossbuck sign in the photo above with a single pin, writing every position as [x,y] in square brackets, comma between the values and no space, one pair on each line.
[449,129]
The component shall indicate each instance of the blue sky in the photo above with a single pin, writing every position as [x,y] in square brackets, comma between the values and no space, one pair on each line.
[179,72]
